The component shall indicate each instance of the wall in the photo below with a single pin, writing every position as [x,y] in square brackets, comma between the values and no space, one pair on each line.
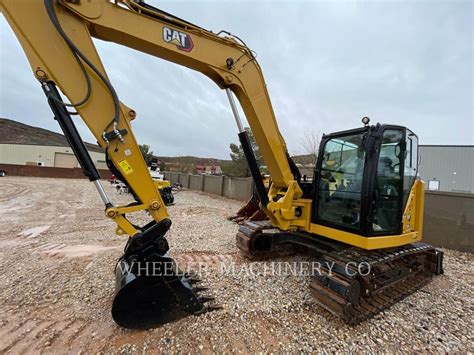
[448,220]
[196,182]
[452,166]
[236,188]
[20,154]
[46,171]
[213,184]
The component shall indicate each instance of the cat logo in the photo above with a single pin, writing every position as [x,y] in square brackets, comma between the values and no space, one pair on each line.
[182,40]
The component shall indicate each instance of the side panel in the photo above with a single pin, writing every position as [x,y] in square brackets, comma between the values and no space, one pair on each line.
[378,242]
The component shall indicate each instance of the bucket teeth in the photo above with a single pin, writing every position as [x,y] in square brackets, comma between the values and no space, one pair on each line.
[213,307]
[200,289]
[192,280]
[191,275]
[205,299]
[210,307]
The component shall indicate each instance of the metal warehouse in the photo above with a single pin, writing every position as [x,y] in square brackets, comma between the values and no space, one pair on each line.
[447,167]
[21,144]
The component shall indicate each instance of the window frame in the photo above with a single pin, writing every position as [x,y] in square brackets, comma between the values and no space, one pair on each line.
[317,180]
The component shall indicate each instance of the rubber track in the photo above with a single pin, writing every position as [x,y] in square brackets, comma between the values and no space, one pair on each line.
[395,273]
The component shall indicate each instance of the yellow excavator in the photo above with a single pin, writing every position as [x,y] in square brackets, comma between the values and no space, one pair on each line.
[362,213]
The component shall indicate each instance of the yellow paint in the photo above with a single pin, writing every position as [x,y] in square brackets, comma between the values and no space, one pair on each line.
[126,168]
[413,213]
[161,184]
[365,242]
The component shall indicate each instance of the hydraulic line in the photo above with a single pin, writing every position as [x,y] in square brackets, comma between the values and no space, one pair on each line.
[74,139]
[49,5]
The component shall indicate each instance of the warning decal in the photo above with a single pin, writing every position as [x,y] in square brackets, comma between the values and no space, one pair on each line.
[126,168]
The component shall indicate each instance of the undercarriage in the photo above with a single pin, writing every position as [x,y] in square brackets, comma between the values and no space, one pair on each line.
[352,283]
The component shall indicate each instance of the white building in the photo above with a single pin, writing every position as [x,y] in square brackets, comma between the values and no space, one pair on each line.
[21,144]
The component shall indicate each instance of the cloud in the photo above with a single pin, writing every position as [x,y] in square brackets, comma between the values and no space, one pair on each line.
[327,64]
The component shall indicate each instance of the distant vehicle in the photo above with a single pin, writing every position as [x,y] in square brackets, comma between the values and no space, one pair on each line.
[156,174]
[3,173]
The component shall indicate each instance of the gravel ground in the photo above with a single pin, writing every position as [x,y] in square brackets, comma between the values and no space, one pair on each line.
[58,252]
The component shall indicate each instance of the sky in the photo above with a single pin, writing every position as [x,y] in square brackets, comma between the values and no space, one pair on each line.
[327,64]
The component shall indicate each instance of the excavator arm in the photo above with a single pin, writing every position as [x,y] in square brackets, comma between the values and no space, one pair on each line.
[57,39]
[56,36]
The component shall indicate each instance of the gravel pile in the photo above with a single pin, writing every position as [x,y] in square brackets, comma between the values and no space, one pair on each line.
[58,253]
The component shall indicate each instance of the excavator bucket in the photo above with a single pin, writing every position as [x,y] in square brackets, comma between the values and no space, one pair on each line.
[150,289]
[249,212]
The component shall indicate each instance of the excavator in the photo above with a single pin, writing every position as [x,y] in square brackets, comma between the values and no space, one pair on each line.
[361,214]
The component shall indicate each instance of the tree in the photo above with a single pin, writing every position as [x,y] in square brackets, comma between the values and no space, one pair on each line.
[230,168]
[238,166]
[310,142]
[162,166]
[147,154]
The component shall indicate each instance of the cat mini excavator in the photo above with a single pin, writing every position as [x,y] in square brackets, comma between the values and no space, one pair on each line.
[362,213]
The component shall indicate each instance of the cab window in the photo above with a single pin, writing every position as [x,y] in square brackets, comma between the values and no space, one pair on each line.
[388,182]
[342,170]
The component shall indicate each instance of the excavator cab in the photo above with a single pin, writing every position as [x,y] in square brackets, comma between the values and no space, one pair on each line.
[363,178]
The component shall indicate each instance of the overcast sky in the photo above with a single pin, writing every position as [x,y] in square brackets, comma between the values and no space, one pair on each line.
[326,63]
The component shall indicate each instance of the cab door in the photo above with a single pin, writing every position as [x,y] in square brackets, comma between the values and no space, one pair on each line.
[396,173]
[388,191]
[339,183]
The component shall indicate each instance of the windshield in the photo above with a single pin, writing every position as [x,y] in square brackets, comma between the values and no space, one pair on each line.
[342,171]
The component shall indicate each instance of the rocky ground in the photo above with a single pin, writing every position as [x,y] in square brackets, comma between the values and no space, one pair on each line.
[57,283]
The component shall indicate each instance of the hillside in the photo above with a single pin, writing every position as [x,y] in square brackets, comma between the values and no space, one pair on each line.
[192,160]
[305,159]
[13,132]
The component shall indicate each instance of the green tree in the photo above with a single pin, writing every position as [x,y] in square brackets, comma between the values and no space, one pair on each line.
[238,166]
[162,166]
[146,152]
[230,168]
